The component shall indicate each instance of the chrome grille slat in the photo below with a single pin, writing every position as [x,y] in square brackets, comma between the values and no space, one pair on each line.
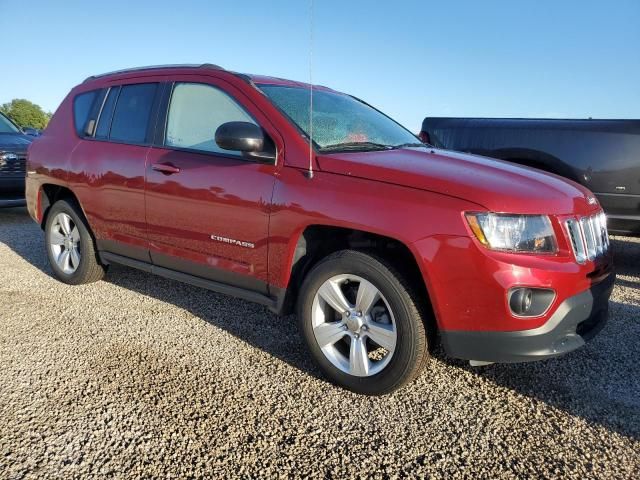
[577,241]
[15,167]
[598,234]
[605,236]
[587,227]
[589,236]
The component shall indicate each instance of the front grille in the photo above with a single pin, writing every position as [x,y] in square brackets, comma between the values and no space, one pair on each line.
[589,237]
[14,167]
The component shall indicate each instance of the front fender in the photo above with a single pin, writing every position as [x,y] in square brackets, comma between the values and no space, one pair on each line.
[400,213]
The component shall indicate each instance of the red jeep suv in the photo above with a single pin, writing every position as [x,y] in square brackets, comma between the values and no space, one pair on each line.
[383,244]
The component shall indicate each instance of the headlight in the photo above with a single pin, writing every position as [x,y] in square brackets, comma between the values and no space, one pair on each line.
[5,157]
[513,233]
[8,156]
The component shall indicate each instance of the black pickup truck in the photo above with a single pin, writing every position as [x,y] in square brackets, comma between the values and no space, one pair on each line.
[602,155]
[13,154]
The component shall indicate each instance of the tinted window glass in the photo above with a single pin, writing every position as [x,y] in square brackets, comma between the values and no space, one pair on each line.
[104,122]
[6,126]
[81,109]
[132,113]
[195,113]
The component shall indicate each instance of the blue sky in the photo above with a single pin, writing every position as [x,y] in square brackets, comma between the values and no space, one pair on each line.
[563,58]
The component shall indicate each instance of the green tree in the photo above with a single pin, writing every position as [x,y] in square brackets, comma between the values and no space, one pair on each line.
[25,113]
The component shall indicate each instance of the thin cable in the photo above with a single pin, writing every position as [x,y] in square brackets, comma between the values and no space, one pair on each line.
[310,172]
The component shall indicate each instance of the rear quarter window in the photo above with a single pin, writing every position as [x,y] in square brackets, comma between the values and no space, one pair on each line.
[81,109]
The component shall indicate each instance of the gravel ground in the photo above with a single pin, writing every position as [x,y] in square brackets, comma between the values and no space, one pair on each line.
[138,376]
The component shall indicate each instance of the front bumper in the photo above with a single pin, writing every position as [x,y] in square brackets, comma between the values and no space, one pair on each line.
[15,202]
[576,320]
[12,191]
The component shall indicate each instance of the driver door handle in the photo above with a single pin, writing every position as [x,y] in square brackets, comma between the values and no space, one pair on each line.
[165,168]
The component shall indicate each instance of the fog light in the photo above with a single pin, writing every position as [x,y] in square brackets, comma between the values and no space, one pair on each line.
[530,302]
[520,301]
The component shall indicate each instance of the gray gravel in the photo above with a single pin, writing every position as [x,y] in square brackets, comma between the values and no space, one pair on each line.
[138,376]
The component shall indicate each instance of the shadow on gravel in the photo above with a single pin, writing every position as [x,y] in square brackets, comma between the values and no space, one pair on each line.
[251,323]
[627,257]
[599,383]
[20,233]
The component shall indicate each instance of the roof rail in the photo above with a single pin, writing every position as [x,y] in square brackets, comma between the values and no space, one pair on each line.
[156,67]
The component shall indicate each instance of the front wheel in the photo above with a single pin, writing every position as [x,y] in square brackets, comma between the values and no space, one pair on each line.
[362,323]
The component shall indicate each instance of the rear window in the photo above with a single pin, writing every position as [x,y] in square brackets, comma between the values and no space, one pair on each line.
[132,113]
[81,110]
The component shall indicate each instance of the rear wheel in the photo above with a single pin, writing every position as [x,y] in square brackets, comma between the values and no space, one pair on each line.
[70,247]
[362,323]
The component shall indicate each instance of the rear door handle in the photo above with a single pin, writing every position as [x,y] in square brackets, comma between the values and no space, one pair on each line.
[165,168]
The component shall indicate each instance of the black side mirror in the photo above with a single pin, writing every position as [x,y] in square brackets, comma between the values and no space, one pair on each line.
[32,132]
[245,137]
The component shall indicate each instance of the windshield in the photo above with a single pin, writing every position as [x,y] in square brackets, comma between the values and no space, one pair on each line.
[6,126]
[340,122]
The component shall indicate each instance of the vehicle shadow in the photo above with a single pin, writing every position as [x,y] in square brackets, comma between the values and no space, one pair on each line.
[599,383]
[626,251]
[247,321]
[20,233]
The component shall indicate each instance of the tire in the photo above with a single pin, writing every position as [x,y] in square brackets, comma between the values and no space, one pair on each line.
[66,230]
[362,367]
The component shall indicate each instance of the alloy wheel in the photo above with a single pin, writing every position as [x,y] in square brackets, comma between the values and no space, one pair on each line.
[64,242]
[354,325]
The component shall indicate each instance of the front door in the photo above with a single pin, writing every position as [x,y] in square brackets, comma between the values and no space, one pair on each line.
[208,209]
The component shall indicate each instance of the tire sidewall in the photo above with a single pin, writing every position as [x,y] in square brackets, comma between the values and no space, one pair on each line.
[405,354]
[86,241]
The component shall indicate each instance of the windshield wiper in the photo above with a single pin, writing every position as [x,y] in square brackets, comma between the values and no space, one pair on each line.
[410,144]
[356,146]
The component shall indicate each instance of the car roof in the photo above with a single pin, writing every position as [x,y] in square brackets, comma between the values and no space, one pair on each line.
[199,68]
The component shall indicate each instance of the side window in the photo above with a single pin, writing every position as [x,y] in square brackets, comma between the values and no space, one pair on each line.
[81,110]
[104,121]
[195,113]
[132,113]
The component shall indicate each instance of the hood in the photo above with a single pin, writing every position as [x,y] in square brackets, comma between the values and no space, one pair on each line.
[497,185]
[14,142]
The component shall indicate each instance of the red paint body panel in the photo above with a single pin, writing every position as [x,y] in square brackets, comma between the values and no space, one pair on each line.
[209,196]
[497,185]
[472,282]
[212,195]
[109,181]
[406,215]
[414,196]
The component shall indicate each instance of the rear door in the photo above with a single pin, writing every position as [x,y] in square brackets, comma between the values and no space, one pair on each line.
[108,167]
[207,208]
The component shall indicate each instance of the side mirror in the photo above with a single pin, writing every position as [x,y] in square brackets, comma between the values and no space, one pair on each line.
[32,132]
[245,137]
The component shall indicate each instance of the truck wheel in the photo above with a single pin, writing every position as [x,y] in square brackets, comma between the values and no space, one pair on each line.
[70,247]
[362,324]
